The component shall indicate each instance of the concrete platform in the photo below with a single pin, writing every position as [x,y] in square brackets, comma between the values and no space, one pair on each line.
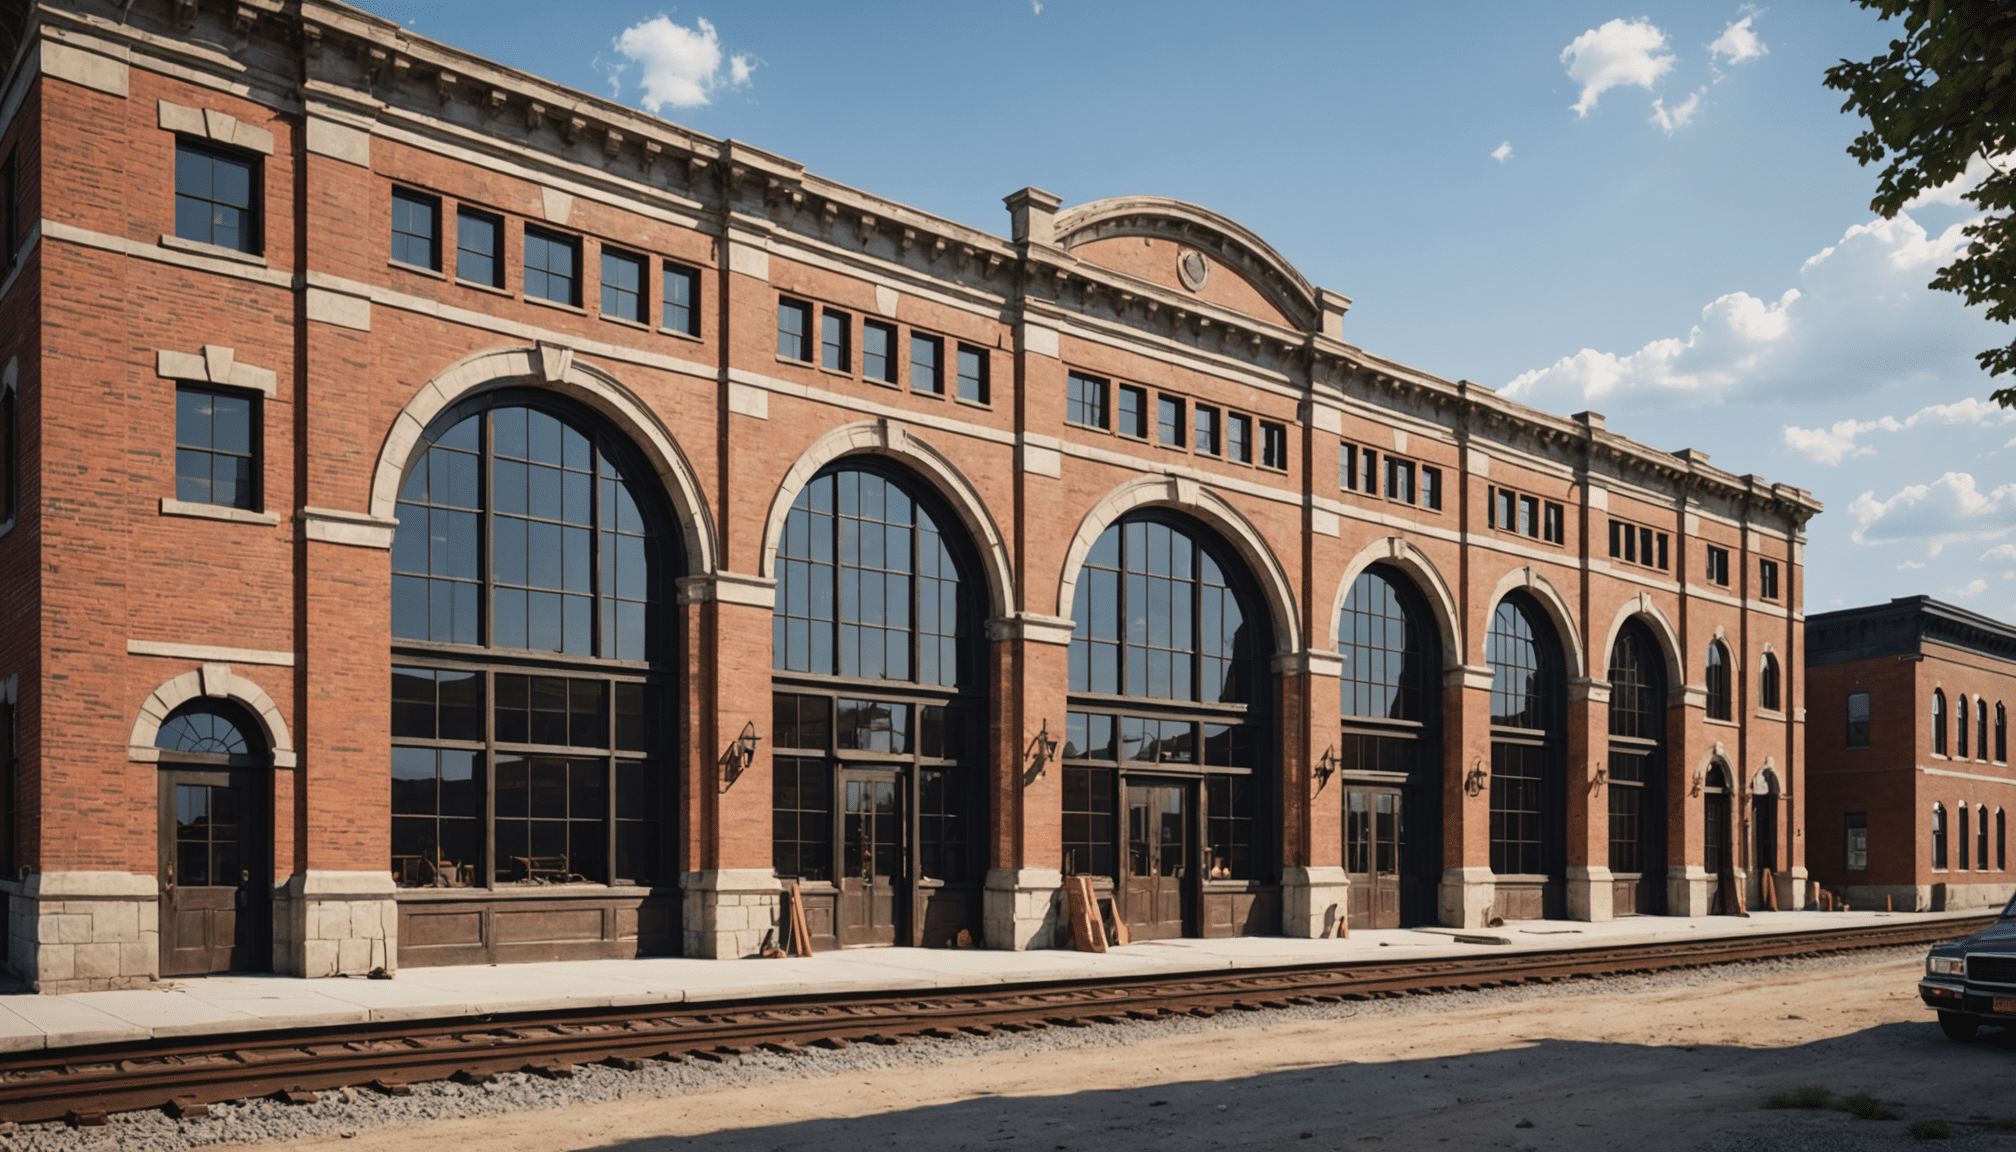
[225,1005]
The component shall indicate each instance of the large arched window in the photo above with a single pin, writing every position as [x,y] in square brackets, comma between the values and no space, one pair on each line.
[209,728]
[1964,841]
[531,662]
[1981,838]
[1938,835]
[1717,674]
[1980,729]
[1166,726]
[1637,771]
[1390,751]
[1767,682]
[1960,727]
[1528,792]
[2001,839]
[879,710]
[1939,721]
[2001,733]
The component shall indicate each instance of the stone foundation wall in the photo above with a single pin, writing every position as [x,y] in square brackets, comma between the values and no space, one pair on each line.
[1464,897]
[1314,901]
[336,924]
[728,912]
[1592,893]
[84,931]
[1022,908]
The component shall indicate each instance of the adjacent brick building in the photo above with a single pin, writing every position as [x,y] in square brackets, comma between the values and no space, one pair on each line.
[455,518]
[1909,752]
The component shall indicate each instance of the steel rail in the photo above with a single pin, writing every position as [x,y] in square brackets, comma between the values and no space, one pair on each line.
[86,1084]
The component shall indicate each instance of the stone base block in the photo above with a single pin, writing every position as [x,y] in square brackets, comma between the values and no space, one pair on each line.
[1022,907]
[1871,897]
[1957,896]
[1464,897]
[329,923]
[1314,901]
[1591,893]
[1686,890]
[1793,889]
[84,931]
[728,911]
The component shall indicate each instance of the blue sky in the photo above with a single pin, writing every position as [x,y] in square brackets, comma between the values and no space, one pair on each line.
[1669,232]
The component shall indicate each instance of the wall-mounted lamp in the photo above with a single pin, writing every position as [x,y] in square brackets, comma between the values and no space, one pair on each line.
[1326,766]
[740,755]
[1700,778]
[1601,778]
[1473,784]
[1042,750]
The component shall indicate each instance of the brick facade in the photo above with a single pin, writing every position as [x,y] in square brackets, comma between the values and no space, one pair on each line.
[115,594]
[1900,779]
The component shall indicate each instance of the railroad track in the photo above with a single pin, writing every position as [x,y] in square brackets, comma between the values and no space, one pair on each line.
[86,1085]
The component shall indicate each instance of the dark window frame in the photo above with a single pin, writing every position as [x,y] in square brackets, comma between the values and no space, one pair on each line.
[927,378]
[1854,847]
[1939,734]
[253,457]
[979,383]
[1088,400]
[673,312]
[1857,734]
[1169,423]
[891,339]
[1767,579]
[252,234]
[803,338]
[543,274]
[464,214]
[1636,544]
[1239,438]
[413,198]
[1768,687]
[1718,677]
[1716,567]
[1207,431]
[1273,445]
[836,341]
[637,296]
[1130,412]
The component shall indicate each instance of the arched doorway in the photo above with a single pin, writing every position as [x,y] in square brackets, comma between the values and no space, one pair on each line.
[1390,764]
[880,711]
[1169,791]
[534,687]
[216,840]
[1717,841]
[1764,823]
[1529,850]
[1637,772]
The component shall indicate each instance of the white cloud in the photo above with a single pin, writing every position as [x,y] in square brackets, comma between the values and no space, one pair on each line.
[2000,552]
[1616,54]
[1949,510]
[1678,116]
[680,66]
[1861,319]
[1832,445]
[1502,152]
[1949,194]
[1738,42]
[1973,588]
[1037,5]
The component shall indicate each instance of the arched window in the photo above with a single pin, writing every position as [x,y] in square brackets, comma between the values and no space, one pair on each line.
[204,729]
[2001,733]
[1637,769]
[530,660]
[1981,838]
[2001,840]
[216,847]
[1939,721]
[1963,840]
[1528,796]
[878,710]
[1980,729]
[1960,727]
[1390,750]
[1767,682]
[1718,681]
[1938,835]
[1166,725]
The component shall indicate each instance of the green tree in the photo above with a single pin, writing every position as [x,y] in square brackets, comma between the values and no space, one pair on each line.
[1944,94]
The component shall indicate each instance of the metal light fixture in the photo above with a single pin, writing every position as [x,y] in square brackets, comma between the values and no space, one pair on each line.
[739,756]
[1700,778]
[1043,749]
[1601,778]
[1473,784]
[1326,766]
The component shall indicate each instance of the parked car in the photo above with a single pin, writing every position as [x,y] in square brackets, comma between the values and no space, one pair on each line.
[1972,982]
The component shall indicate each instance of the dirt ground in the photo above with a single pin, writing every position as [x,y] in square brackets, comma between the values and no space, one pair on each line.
[1678,1068]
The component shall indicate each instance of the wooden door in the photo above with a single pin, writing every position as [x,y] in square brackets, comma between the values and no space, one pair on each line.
[1159,867]
[1374,854]
[1715,854]
[871,857]
[215,897]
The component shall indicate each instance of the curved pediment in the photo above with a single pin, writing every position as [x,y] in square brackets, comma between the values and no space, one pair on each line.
[1154,238]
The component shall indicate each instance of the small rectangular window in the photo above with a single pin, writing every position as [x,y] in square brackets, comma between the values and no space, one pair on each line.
[1274,445]
[1553,523]
[1855,840]
[1085,400]
[1505,509]
[1399,480]
[1368,471]
[1239,438]
[1204,430]
[216,448]
[1718,566]
[1347,467]
[1431,488]
[1169,421]
[215,193]
[416,230]
[1132,411]
[682,299]
[925,358]
[878,351]
[1631,543]
[1767,579]
[477,248]
[972,374]
[1616,540]
[1858,720]
[1645,542]
[552,267]
[1662,551]
[794,323]
[1529,516]
[834,353]
[623,286]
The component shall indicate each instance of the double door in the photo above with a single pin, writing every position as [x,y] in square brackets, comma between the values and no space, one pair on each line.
[216,894]
[1159,893]
[1373,842]
[874,884]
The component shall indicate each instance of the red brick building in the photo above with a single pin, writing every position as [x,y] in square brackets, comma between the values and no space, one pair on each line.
[455,518]
[1909,752]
